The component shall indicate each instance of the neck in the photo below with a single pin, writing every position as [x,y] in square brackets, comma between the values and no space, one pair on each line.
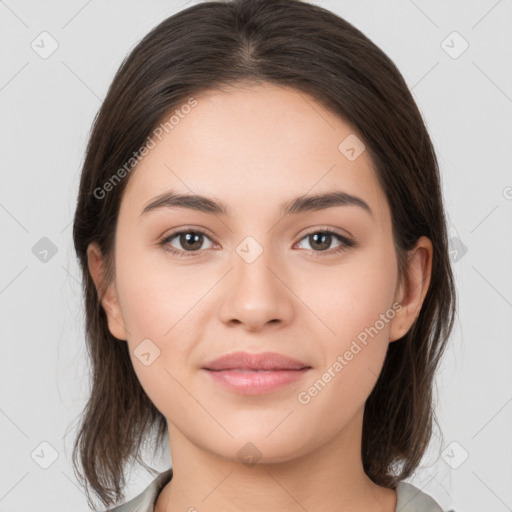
[329,478]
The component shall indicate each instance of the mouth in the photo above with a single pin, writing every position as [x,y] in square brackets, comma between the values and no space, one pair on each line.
[249,370]
[255,382]
[255,374]
[266,361]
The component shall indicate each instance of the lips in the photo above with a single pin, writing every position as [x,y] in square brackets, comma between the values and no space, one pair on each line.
[263,362]
[255,374]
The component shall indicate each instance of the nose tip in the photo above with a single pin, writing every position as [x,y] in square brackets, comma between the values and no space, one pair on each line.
[255,297]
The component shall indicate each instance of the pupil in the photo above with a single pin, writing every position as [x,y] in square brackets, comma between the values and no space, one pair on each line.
[190,240]
[323,236]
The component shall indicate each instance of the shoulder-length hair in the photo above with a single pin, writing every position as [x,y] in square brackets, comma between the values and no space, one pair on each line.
[303,46]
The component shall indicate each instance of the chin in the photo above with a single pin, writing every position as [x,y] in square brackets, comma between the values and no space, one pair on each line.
[254,446]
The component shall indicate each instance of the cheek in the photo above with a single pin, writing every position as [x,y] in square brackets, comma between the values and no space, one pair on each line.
[353,299]
[165,303]
[157,297]
[158,322]
[355,308]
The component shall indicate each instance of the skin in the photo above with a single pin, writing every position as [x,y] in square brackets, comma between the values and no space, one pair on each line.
[254,147]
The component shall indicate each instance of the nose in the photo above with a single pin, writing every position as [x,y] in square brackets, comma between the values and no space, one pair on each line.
[255,294]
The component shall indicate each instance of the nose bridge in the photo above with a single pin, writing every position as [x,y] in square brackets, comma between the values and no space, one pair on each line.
[252,273]
[255,295]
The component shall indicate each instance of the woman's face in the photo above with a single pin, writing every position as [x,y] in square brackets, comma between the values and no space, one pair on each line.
[259,278]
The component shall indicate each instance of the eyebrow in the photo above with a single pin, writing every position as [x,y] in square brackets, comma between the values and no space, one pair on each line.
[300,204]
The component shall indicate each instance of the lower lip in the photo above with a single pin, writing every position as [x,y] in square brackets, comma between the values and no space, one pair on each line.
[256,382]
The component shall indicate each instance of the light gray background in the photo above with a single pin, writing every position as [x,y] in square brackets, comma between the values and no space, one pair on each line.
[47,107]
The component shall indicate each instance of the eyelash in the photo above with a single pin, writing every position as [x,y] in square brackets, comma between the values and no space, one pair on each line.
[346,243]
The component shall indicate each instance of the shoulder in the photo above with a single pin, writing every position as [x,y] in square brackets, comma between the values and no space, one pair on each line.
[145,501]
[411,499]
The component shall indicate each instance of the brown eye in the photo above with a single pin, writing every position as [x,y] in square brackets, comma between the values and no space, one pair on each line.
[192,241]
[320,241]
[189,241]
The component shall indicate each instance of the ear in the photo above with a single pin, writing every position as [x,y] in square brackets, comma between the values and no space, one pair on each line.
[413,288]
[109,300]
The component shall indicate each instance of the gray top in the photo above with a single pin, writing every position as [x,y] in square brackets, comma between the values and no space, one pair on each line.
[409,498]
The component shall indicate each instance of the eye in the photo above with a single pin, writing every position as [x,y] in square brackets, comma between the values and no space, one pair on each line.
[191,240]
[322,239]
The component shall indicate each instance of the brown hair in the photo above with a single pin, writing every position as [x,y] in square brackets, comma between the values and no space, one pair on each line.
[305,47]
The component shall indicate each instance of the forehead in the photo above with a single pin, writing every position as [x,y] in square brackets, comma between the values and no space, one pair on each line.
[254,145]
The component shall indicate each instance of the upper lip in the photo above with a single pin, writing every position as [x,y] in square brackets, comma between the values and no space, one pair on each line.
[247,361]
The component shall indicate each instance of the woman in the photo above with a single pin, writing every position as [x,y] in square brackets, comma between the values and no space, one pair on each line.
[267,284]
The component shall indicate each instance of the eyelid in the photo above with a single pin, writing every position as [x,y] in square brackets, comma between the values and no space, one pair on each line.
[342,233]
[187,229]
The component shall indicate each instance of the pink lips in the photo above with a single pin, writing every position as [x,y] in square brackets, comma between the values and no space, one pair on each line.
[255,374]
